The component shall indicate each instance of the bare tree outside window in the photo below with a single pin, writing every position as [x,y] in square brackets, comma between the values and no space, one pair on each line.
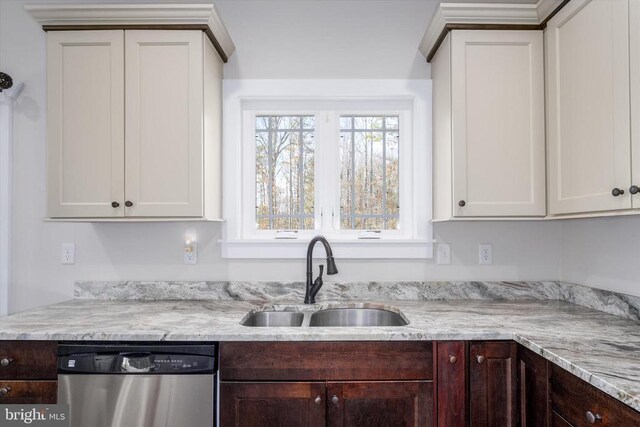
[285,161]
[369,173]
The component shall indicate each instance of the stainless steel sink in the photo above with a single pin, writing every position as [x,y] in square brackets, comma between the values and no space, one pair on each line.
[274,318]
[356,317]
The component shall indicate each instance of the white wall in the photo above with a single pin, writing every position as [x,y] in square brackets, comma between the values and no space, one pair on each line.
[327,39]
[522,251]
[603,252]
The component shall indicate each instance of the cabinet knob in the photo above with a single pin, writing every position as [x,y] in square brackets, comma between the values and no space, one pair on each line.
[462,203]
[317,400]
[480,359]
[453,359]
[593,418]
[128,203]
[616,192]
[335,400]
[4,391]
[115,204]
[634,189]
[5,362]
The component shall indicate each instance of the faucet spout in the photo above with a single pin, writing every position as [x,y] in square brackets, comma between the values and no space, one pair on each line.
[313,287]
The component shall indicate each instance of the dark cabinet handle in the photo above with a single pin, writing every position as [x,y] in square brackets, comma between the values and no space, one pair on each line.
[461,203]
[115,204]
[128,203]
[634,189]
[335,400]
[616,192]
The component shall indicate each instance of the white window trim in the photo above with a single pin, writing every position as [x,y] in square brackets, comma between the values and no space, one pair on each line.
[243,96]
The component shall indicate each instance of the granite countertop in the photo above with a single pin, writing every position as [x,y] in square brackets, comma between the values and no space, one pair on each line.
[600,348]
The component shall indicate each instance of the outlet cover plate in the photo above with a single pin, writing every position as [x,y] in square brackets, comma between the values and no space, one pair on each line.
[68,253]
[485,254]
[444,253]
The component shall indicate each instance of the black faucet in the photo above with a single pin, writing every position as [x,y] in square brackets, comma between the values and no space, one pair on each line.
[314,286]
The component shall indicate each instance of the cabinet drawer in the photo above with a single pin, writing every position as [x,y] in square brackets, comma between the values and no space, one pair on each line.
[28,360]
[12,392]
[326,361]
[572,399]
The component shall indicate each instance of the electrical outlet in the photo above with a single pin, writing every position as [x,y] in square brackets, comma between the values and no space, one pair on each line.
[444,253]
[68,253]
[485,253]
[191,253]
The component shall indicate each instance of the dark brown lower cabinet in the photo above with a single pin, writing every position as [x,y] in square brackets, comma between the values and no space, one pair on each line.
[339,404]
[532,388]
[580,404]
[492,383]
[409,384]
[287,404]
[36,392]
[451,383]
[321,384]
[28,372]
[380,404]
[558,421]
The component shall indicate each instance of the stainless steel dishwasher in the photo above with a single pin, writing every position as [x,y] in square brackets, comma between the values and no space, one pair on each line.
[138,385]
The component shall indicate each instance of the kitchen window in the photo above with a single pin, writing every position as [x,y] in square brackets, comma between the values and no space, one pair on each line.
[352,168]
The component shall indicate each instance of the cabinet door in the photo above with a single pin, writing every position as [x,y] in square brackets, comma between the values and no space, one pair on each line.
[371,404]
[533,393]
[492,384]
[587,48]
[164,123]
[85,124]
[451,381]
[582,405]
[29,392]
[634,45]
[286,404]
[497,89]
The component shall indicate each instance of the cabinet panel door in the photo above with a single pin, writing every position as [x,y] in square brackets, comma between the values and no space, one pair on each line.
[497,88]
[164,123]
[587,45]
[634,45]
[85,123]
[451,383]
[371,404]
[533,395]
[285,404]
[492,383]
[30,392]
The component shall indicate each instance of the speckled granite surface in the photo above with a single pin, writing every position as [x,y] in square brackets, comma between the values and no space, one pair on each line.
[600,348]
[608,302]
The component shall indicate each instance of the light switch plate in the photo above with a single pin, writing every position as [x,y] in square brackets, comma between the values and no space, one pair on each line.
[444,253]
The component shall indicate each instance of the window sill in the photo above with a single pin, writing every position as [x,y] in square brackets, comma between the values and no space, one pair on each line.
[343,249]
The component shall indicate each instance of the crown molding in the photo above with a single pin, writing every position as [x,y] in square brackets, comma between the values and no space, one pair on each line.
[131,15]
[462,15]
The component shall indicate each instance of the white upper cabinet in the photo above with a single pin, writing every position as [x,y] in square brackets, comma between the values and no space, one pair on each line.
[164,123]
[85,120]
[634,40]
[588,116]
[134,124]
[134,115]
[488,104]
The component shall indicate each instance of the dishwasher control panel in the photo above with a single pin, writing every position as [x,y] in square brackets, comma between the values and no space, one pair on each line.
[154,359]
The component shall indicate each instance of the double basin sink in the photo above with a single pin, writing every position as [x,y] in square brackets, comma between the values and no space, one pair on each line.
[328,317]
